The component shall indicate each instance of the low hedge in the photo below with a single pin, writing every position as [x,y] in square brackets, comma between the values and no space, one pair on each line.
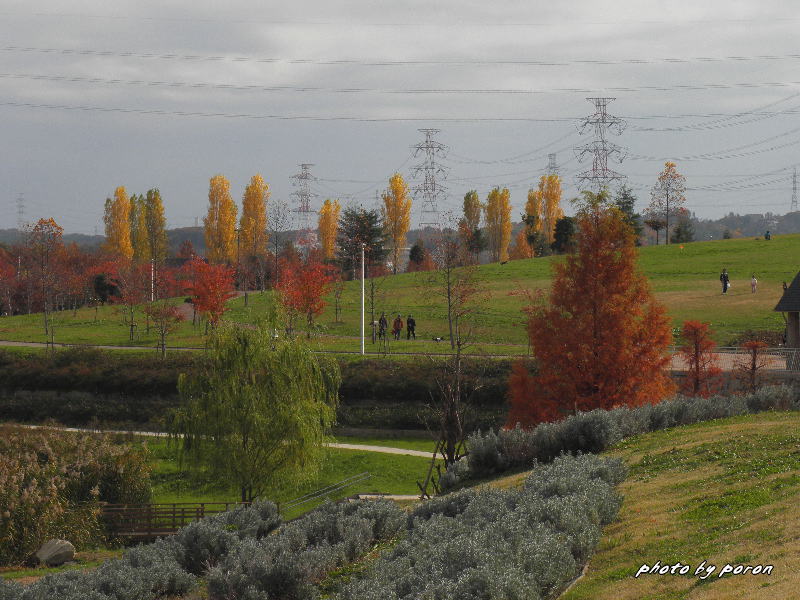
[494,452]
[80,387]
[496,544]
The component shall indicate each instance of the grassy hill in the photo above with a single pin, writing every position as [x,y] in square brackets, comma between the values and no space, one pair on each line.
[722,491]
[685,279]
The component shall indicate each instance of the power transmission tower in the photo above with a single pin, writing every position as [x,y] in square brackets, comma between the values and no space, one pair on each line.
[600,176]
[429,189]
[552,165]
[794,192]
[305,222]
[20,211]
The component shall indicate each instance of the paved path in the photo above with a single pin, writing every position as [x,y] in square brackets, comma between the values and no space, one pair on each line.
[361,447]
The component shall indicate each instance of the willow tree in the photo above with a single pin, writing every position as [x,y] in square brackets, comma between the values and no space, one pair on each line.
[257,415]
[396,214]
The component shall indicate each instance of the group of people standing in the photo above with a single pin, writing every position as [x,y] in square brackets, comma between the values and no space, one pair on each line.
[725,280]
[397,327]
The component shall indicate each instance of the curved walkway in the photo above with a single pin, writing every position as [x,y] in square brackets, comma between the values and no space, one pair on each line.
[362,447]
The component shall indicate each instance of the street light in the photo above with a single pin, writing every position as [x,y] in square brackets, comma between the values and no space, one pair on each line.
[362,297]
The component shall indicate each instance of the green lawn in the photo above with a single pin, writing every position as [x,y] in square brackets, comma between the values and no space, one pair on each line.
[389,474]
[685,279]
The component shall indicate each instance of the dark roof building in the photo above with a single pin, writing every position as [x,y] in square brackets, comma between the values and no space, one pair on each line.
[790,304]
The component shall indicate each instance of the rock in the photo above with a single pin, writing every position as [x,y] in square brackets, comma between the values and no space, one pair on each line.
[55,552]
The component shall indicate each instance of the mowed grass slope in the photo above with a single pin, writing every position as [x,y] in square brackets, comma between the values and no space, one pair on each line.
[723,491]
[685,279]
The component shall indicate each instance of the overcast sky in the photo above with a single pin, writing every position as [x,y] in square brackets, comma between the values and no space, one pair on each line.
[152,94]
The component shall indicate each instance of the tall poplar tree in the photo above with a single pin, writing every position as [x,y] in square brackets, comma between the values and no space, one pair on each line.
[117,224]
[253,224]
[497,213]
[396,215]
[220,222]
[155,225]
[469,227]
[328,227]
[138,221]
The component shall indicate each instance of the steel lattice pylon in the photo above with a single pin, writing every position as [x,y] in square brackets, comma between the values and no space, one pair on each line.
[431,191]
[600,175]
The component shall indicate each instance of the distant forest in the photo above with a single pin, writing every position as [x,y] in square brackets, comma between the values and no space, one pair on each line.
[732,225]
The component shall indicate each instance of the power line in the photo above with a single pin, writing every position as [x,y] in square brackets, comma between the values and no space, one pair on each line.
[453,62]
[450,23]
[409,91]
[228,115]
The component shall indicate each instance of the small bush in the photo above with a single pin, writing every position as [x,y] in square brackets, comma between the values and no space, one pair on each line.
[286,564]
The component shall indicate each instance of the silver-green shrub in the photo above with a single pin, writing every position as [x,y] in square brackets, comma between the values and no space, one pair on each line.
[285,565]
[598,430]
[499,545]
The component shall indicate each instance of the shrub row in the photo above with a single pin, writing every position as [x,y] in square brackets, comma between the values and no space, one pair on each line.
[239,551]
[114,373]
[51,484]
[595,431]
[494,544]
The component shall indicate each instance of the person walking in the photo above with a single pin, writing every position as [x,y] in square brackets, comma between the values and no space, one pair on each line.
[397,327]
[411,326]
[753,284]
[725,281]
[383,325]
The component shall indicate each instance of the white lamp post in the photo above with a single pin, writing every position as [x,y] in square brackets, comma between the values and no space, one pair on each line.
[362,297]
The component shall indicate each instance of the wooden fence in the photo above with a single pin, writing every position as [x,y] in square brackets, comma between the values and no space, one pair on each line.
[149,521]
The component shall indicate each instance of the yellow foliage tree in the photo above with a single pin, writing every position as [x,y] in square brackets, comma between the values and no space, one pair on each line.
[253,224]
[550,190]
[396,215]
[328,227]
[472,210]
[497,212]
[220,222]
[117,222]
[155,225]
[138,221]
[521,247]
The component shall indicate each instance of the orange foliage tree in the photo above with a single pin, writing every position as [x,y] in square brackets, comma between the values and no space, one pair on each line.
[601,340]
[303,286]
[697,350]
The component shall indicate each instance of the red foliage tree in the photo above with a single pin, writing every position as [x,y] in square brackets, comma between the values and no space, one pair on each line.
[132,281]
[303,286]
[211,288]
[601,340]
[697,350]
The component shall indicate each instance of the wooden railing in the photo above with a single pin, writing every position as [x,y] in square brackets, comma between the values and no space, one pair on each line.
[149,521]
